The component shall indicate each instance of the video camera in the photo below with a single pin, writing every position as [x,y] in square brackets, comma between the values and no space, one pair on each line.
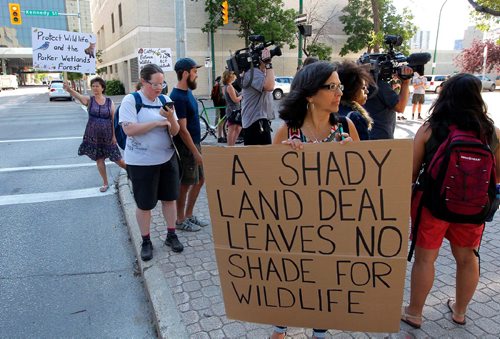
[249,57]
[384,65]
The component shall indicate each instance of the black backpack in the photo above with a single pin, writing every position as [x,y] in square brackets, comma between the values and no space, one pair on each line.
[121,137]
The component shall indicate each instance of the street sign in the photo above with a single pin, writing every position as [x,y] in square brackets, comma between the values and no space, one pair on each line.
[40,12]
[301,19]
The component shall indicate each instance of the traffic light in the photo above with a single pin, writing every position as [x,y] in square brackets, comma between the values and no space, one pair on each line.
[225,12]
[15,14]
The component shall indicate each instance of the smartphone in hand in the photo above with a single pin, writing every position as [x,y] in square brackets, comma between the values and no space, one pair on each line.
[169,105]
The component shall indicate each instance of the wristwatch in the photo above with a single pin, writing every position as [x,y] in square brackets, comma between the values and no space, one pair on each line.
[269,66]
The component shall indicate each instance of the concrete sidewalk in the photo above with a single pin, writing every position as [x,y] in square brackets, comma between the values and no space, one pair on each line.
[185,290]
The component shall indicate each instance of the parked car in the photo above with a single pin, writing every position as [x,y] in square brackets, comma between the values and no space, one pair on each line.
[56,91]
[281,87]
[497,82]
[487,83]
[434,82]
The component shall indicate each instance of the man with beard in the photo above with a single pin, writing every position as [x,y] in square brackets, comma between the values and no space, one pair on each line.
[187,142]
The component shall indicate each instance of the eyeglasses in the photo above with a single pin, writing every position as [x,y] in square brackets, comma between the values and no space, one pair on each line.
[332,87]
[162,85]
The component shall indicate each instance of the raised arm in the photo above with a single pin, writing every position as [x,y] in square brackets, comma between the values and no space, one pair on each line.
[82,98]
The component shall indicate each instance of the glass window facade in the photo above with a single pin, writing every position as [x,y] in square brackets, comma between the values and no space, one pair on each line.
[20,35]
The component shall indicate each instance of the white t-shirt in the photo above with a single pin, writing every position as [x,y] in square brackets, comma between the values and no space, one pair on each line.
[151,148]
[419,80]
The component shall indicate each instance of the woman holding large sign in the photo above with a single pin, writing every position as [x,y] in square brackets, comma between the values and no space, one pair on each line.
[99,140]
[309,112]
[310,109]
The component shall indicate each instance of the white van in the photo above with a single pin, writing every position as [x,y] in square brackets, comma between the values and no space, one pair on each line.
[8,81]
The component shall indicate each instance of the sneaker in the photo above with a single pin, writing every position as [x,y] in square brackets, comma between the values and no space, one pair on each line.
[186,225]
[146,250]
[420,117]
[173,241]
[195,220]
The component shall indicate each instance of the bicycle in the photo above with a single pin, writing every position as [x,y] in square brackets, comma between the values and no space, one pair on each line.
[209,130]
[206,128]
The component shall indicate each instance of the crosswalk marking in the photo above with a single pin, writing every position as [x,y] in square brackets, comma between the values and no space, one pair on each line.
[49,167]
[54,196]
[40,139]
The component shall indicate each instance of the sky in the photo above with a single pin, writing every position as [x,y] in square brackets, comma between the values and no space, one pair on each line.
[454,19]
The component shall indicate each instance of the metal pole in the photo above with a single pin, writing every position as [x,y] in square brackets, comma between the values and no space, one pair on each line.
[180,29]
[485,56]
[299,56]
[437,36]
[79,16]
[212,54]
[80,31]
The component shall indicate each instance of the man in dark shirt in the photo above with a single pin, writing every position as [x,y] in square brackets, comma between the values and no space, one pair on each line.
[384,104]
[188,144]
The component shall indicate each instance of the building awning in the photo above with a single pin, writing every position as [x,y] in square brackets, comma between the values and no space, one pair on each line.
[12,52]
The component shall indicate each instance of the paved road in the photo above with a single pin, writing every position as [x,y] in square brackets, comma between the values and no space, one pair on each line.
[67,267]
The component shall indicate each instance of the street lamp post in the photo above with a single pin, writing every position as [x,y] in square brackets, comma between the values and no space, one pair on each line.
[437,37]
[299,56]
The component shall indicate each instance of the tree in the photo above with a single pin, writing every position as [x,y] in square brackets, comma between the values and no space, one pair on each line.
[485,13]
[320,50]
[368,21]
[490,7]
[264,17]
[319,44]
[471,59]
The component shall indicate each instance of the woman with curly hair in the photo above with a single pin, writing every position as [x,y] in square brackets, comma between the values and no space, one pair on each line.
[355,79]
[460,104]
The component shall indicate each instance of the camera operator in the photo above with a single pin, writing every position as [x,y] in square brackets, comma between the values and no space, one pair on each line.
[257,105]
[384,104]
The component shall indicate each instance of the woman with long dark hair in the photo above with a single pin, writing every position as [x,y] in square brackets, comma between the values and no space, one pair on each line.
[460,104]
[310,109]
[309,112]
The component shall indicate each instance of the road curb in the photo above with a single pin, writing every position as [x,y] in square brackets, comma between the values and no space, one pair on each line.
[167,319]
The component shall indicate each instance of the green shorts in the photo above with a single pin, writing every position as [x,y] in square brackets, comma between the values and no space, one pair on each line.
[191,172]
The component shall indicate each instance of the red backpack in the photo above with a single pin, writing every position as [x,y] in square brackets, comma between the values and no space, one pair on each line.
[459,183]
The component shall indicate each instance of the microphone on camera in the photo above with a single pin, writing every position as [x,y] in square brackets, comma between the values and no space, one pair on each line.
[418,58]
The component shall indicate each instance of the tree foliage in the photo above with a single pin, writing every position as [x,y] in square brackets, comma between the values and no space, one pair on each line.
[320,50]
[321,19]
[72,76]
[366,22]
[485,13]
[471,59]
[265,17]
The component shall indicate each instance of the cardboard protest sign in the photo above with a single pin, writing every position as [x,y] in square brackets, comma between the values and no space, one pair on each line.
[159,56]
[63,51]
[312,238]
